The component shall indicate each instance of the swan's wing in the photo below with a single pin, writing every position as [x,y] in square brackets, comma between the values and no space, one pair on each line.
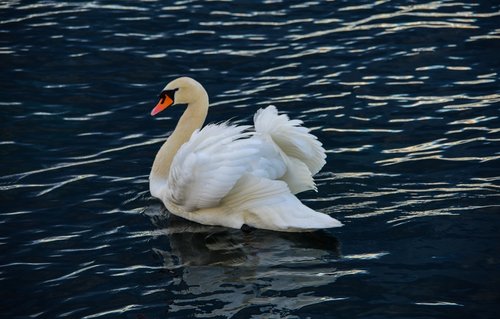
[273,163]
[268,162]
[292,138]
[268,204]
[208,166]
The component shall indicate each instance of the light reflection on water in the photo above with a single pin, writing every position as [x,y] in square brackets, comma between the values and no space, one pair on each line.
[403,95]
[240,268]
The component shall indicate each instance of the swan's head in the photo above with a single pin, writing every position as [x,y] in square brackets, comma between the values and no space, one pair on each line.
[182,90]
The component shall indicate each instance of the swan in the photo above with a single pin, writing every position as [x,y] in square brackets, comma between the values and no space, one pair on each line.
[235,176]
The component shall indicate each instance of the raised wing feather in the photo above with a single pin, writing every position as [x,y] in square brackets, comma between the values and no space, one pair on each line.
[208,166]
[292,138]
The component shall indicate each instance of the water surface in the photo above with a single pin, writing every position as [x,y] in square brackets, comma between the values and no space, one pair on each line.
[404,96]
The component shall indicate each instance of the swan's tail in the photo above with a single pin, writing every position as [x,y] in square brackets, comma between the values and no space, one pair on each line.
[268,204]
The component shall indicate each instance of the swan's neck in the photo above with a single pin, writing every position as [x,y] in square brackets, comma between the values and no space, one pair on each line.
[192,119]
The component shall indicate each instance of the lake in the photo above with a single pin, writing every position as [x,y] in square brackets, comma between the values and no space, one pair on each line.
[404,96]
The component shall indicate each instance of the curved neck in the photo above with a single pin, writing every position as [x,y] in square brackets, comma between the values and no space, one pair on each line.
[193,118]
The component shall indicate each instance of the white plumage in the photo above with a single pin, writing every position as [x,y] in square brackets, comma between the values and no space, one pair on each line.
[208,166]
[232,175]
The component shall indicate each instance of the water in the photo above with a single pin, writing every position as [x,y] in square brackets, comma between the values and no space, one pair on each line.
[403,94]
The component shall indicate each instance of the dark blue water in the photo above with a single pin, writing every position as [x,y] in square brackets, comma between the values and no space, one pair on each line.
[404,95]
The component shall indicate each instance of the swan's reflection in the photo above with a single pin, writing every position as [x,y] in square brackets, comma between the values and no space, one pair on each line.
[215,265]
[194,244]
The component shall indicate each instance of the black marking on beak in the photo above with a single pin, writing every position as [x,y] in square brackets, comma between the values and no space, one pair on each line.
[169,93]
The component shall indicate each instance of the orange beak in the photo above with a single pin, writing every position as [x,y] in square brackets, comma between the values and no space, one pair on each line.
[164,102]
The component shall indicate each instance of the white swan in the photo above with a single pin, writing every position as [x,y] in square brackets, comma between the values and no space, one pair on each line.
[230,176]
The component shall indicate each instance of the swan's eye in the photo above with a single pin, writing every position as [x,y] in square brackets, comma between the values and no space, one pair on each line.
[163,95]
[169,93]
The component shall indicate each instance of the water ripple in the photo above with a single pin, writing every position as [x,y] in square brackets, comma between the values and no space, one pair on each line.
[404,97]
